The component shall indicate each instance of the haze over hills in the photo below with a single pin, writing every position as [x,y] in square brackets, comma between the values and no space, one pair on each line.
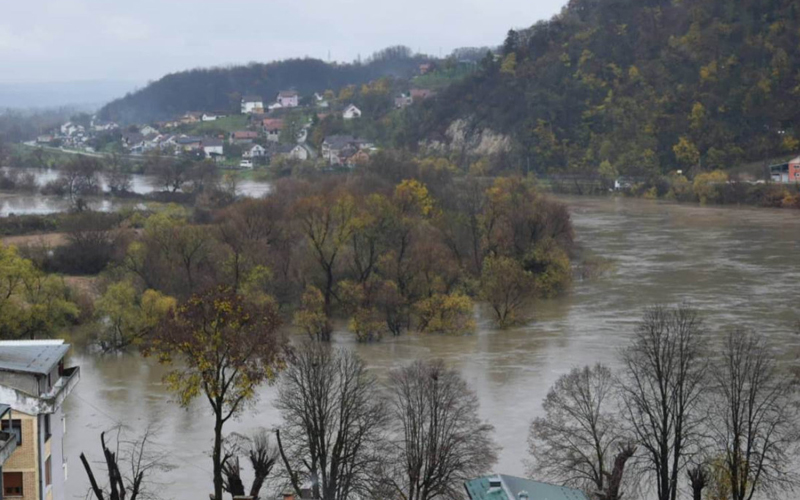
[84,95]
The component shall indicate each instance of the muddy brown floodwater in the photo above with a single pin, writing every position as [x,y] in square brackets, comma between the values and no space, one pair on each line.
[738,266]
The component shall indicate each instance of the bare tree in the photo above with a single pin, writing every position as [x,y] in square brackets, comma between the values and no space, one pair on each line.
[613,486]
[662,381]
[439,440]
[261,454]
[333,422]
[698,480]
[132,468]
[754,419]
[574,442]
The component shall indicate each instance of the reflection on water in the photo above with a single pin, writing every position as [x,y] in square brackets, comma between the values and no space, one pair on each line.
[34,203]
[737,265]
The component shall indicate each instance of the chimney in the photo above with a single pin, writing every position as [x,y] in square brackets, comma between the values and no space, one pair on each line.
[523,495]
[288,495]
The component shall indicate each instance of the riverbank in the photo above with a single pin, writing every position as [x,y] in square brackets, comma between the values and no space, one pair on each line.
[708,189]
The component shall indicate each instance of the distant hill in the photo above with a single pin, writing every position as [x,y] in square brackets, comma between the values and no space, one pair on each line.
[220,89]
[637,87]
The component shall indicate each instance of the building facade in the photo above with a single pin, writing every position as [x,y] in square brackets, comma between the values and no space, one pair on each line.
[35,382]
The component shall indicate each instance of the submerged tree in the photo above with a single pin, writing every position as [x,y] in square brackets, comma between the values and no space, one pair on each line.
[126,316]
[224,347]
[662,381]
[507,287]
[439,441]
[333,422]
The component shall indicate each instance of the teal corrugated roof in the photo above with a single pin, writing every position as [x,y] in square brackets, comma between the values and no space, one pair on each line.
[479,489]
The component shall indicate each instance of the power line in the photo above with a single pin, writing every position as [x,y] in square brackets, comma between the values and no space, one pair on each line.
[119,423]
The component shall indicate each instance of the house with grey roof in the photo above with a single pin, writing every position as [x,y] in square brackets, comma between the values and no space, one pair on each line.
[252,104]
[213,148]
[335,148]
[288,99]
[35,382]
[503,487]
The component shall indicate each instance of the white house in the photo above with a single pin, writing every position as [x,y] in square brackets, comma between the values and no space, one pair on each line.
[291,152]
[288,99]
[209,117]
[70,128]
[252,104]
[254,151]
[299,152]
[351,112]
[147,130]
[213,148]
[35,382]
[272,128]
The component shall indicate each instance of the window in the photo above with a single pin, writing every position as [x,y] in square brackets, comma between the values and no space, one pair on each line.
[12,484]
[48,473]
[47,429]
[14,427]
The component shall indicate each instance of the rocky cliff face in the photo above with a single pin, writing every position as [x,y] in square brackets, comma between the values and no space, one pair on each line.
[464,138]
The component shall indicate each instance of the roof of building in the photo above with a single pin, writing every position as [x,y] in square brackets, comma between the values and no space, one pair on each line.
[287,93]
[4,409]
[244,134]
[211,142]
[283,148]
[272,123]
[513,488]
[132,137]
[340,141]
[32,356]
[187,139]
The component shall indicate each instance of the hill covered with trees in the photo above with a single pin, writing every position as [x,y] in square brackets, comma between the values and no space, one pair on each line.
[636,87]
[220,89]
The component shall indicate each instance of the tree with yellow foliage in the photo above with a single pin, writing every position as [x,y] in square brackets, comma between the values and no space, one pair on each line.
[126,316]
[223,347]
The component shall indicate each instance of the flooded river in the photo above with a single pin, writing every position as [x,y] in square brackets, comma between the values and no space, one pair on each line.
[27,203]
[739,266]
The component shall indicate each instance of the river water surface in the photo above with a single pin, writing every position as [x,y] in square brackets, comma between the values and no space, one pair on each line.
[19,203]
[738,266]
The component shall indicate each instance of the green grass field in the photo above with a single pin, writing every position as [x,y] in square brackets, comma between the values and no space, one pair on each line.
[225,125]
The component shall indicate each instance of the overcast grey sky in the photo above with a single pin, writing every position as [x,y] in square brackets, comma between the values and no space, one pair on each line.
[140,40]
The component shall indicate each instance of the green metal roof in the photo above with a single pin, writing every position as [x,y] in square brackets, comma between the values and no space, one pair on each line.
[511,487]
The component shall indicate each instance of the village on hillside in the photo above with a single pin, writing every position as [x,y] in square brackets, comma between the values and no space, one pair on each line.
[283,129]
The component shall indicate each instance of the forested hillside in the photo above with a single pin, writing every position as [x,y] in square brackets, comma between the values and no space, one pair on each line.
[638,87]
[220,89]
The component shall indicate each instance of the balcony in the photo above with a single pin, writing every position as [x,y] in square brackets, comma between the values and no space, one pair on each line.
[62,388]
